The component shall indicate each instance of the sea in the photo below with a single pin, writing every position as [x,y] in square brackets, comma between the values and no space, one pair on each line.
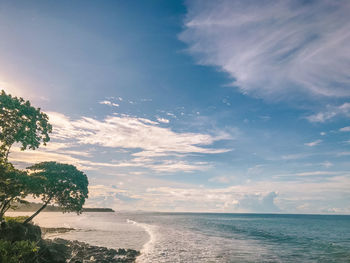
[210,237]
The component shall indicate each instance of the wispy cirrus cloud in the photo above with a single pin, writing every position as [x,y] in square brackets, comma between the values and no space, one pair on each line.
[330,113]
[274,48]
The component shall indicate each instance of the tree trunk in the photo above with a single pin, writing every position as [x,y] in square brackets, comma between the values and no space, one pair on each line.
[37,212]
[5,207]
[7,154]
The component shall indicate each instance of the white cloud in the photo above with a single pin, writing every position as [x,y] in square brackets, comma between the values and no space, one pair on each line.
[314,143]
[171,114]
[345,129]
[224,199]
[293,195]
[273,48]
[315,173]
[260,196]
[330,113]
[158,149]
[109,103]
[131,133]
[169,166]
[163,120]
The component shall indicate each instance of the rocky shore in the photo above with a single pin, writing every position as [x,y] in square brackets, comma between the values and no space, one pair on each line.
[26,243]
[74,251]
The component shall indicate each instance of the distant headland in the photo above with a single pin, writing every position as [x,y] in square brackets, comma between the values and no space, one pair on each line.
[32,207]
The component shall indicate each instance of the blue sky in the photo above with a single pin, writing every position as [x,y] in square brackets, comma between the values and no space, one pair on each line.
[222,106]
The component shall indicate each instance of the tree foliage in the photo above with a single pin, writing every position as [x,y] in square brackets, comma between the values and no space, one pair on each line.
[18,252]
[61,184]
[14,186]
[20,122]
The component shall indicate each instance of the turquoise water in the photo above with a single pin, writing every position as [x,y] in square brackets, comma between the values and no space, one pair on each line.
[245,237]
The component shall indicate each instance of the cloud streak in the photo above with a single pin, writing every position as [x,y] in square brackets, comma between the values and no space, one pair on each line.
[274,48]
[314,143]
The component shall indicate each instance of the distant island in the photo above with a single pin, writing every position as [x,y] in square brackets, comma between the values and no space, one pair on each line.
[32,207]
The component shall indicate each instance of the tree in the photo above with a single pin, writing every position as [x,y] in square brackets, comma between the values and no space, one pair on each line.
[20,122]
[62,184]
[14,186]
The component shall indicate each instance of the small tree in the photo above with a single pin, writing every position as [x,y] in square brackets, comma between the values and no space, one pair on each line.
[62,184]
[21,122]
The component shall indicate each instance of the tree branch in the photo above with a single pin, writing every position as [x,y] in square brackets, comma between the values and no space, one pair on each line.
[37,212]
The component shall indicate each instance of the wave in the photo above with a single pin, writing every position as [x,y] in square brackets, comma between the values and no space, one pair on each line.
[149,245]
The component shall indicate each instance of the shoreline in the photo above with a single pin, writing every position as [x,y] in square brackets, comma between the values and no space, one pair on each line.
[110,230]
[78,251]
[72,238]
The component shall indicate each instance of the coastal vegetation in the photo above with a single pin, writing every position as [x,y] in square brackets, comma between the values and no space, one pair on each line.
[52,182]
[62,184]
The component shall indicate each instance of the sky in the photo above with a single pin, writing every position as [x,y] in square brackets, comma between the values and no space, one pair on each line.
[201,106]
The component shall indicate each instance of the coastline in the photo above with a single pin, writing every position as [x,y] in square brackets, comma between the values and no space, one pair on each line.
[100,236]
[29,245]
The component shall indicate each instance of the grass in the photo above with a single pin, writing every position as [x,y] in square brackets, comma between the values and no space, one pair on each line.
[18,219]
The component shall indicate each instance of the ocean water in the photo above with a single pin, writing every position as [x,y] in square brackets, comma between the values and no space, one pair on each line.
[194,237]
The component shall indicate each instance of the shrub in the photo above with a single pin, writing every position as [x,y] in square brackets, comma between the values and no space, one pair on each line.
[16,231]
[18,252]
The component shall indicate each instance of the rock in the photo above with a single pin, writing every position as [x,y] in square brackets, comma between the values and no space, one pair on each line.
[75,251]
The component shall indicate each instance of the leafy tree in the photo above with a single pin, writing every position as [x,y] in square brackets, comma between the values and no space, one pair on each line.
[20,122]
[14,186]
[62,184]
